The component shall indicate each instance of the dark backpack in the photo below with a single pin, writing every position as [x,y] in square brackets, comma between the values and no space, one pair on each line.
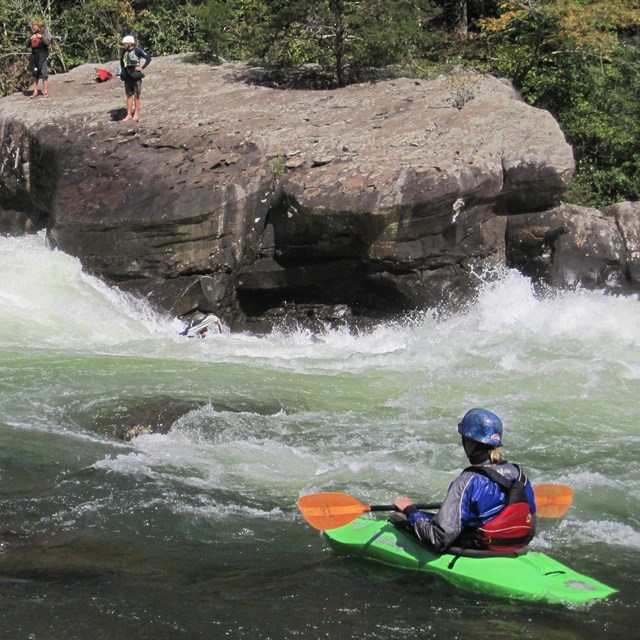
[514,526]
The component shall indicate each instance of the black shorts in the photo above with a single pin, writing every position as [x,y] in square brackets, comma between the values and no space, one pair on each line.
[132,87]
[38,66]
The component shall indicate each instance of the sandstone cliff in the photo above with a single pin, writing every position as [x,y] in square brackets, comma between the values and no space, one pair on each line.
[236,198]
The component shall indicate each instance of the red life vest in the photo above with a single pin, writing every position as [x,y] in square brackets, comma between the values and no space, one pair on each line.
[514,526]
[36,41]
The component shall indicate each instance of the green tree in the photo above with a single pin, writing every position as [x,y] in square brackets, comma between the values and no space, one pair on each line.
[167,30]
[212,21]
[530,34]
[346,35]
[90,30]
[248,28]
[579,59]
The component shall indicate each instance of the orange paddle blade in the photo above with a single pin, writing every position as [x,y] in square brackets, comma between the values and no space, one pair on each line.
[552,500]
[330,510]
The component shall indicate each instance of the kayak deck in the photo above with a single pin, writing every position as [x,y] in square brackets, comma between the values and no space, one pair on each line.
[532,576]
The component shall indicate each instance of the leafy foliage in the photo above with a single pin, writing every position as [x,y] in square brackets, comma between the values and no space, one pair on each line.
[346,35]
[91,30]
[580,59]
[211,19]
[165,32]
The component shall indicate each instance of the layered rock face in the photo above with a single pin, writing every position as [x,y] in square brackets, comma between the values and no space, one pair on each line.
[236,198]
[572,245]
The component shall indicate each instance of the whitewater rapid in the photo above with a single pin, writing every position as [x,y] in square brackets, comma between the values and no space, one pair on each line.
[269,418]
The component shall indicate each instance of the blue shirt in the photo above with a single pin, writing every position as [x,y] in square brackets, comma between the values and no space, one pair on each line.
[471,501]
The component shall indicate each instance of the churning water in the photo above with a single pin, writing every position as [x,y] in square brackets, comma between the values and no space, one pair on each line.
[195,533]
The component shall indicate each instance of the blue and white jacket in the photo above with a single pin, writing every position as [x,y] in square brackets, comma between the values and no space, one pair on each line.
[471,501]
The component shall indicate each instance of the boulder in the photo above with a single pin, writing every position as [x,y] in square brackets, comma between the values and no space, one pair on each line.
[235,198]
[626,216]
[137,416]
[571,245]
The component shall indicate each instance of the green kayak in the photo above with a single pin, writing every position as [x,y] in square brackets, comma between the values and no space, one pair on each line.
[531,576]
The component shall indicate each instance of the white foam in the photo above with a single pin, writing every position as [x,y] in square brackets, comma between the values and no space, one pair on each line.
[609,532]
[46,299]
[373,412]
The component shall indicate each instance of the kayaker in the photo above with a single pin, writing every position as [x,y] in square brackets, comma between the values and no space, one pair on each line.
[475,513]
[200,325]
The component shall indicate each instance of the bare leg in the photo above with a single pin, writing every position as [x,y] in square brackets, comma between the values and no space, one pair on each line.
[129,108]
[35,88]
[45,87]
[137,116]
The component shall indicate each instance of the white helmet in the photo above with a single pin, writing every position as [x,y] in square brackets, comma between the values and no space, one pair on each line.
[128,40]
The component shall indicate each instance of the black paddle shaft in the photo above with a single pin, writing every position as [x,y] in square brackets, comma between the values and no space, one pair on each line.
[390,507]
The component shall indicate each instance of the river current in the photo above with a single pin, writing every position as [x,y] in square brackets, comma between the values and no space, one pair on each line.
[195,533]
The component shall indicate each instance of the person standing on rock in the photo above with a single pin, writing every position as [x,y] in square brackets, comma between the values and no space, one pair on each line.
[39,42]
[131,72]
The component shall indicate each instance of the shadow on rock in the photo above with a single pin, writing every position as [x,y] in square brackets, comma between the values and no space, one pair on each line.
[117,114]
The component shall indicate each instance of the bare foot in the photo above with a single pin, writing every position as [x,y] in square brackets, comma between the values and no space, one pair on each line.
[136,119]
[34,95]
[46,95]
[127,119]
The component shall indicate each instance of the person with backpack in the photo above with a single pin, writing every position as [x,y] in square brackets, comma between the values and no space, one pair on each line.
[131,72]
[39,42]
[489,507]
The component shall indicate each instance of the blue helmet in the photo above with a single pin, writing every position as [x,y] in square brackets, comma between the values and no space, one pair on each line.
[482,426]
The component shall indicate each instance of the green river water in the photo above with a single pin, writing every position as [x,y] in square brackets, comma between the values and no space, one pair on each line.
[195,534]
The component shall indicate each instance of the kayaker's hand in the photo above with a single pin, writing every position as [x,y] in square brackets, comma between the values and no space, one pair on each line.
[402,503]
